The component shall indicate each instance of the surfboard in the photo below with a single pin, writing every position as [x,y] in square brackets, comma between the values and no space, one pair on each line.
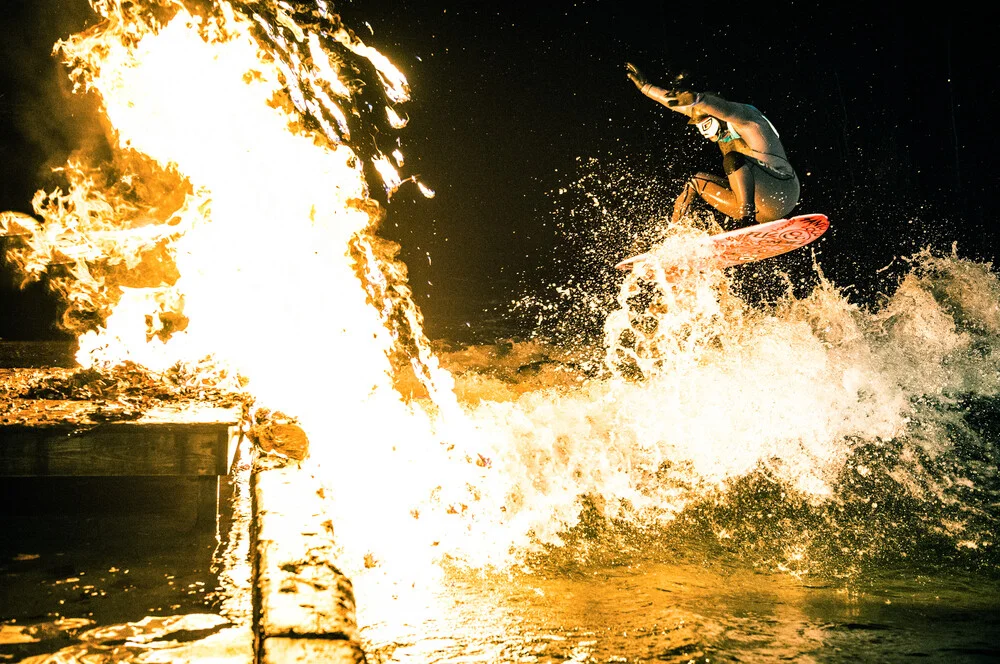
[752,243]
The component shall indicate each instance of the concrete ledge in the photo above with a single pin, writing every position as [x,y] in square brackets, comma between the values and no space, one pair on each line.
[303,605]
[279,650]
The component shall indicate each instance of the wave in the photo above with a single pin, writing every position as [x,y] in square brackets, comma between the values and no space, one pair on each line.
[810,435]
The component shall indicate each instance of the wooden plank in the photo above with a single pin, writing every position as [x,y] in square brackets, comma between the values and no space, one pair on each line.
[115,448]
[234,442]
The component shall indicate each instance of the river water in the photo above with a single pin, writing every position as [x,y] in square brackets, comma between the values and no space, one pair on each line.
[123,570]
[786,518]
[665,611]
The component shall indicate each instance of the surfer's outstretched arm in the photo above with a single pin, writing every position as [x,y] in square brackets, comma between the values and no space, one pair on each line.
[694,104]
[675,100]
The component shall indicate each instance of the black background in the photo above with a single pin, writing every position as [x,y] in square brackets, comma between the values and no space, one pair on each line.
[887,112]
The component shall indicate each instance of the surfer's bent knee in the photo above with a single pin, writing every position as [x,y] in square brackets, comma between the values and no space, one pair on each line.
[698,183]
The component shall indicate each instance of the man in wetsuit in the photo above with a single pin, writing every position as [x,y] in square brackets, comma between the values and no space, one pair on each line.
[760,183]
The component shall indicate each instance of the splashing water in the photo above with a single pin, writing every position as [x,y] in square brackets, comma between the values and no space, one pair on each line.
[235,223]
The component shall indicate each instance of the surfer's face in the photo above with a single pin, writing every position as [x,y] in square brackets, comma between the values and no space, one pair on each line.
[710,128]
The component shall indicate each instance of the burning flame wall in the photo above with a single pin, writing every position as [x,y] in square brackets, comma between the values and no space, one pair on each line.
[234,221]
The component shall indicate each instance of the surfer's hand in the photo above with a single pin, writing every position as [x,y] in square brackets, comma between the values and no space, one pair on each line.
[636,77]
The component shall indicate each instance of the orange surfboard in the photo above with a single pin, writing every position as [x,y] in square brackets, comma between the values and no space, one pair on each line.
[753,243]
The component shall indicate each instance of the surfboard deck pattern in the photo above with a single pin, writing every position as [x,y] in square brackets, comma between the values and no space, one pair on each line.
[754,243]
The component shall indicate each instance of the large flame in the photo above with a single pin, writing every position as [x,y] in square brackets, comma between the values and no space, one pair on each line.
[234,229]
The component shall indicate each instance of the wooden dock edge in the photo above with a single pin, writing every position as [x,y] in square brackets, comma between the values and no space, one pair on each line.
[303,606]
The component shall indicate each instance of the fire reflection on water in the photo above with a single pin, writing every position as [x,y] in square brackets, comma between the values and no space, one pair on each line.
[678,613]
[234,231]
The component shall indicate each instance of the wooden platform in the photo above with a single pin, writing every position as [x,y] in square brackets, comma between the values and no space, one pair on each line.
[41,437]
[73,437]
[142,441]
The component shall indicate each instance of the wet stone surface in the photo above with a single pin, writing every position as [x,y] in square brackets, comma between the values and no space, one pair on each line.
[304,606]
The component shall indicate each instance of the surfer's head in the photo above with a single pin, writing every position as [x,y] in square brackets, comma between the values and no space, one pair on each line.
[711,128]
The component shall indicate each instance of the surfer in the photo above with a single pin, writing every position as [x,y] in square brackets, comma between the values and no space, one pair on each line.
[760,183]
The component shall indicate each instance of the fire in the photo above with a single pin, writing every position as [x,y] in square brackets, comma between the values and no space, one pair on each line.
[233,170]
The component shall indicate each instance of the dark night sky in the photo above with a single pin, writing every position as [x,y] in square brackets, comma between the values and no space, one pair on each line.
[884,112]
